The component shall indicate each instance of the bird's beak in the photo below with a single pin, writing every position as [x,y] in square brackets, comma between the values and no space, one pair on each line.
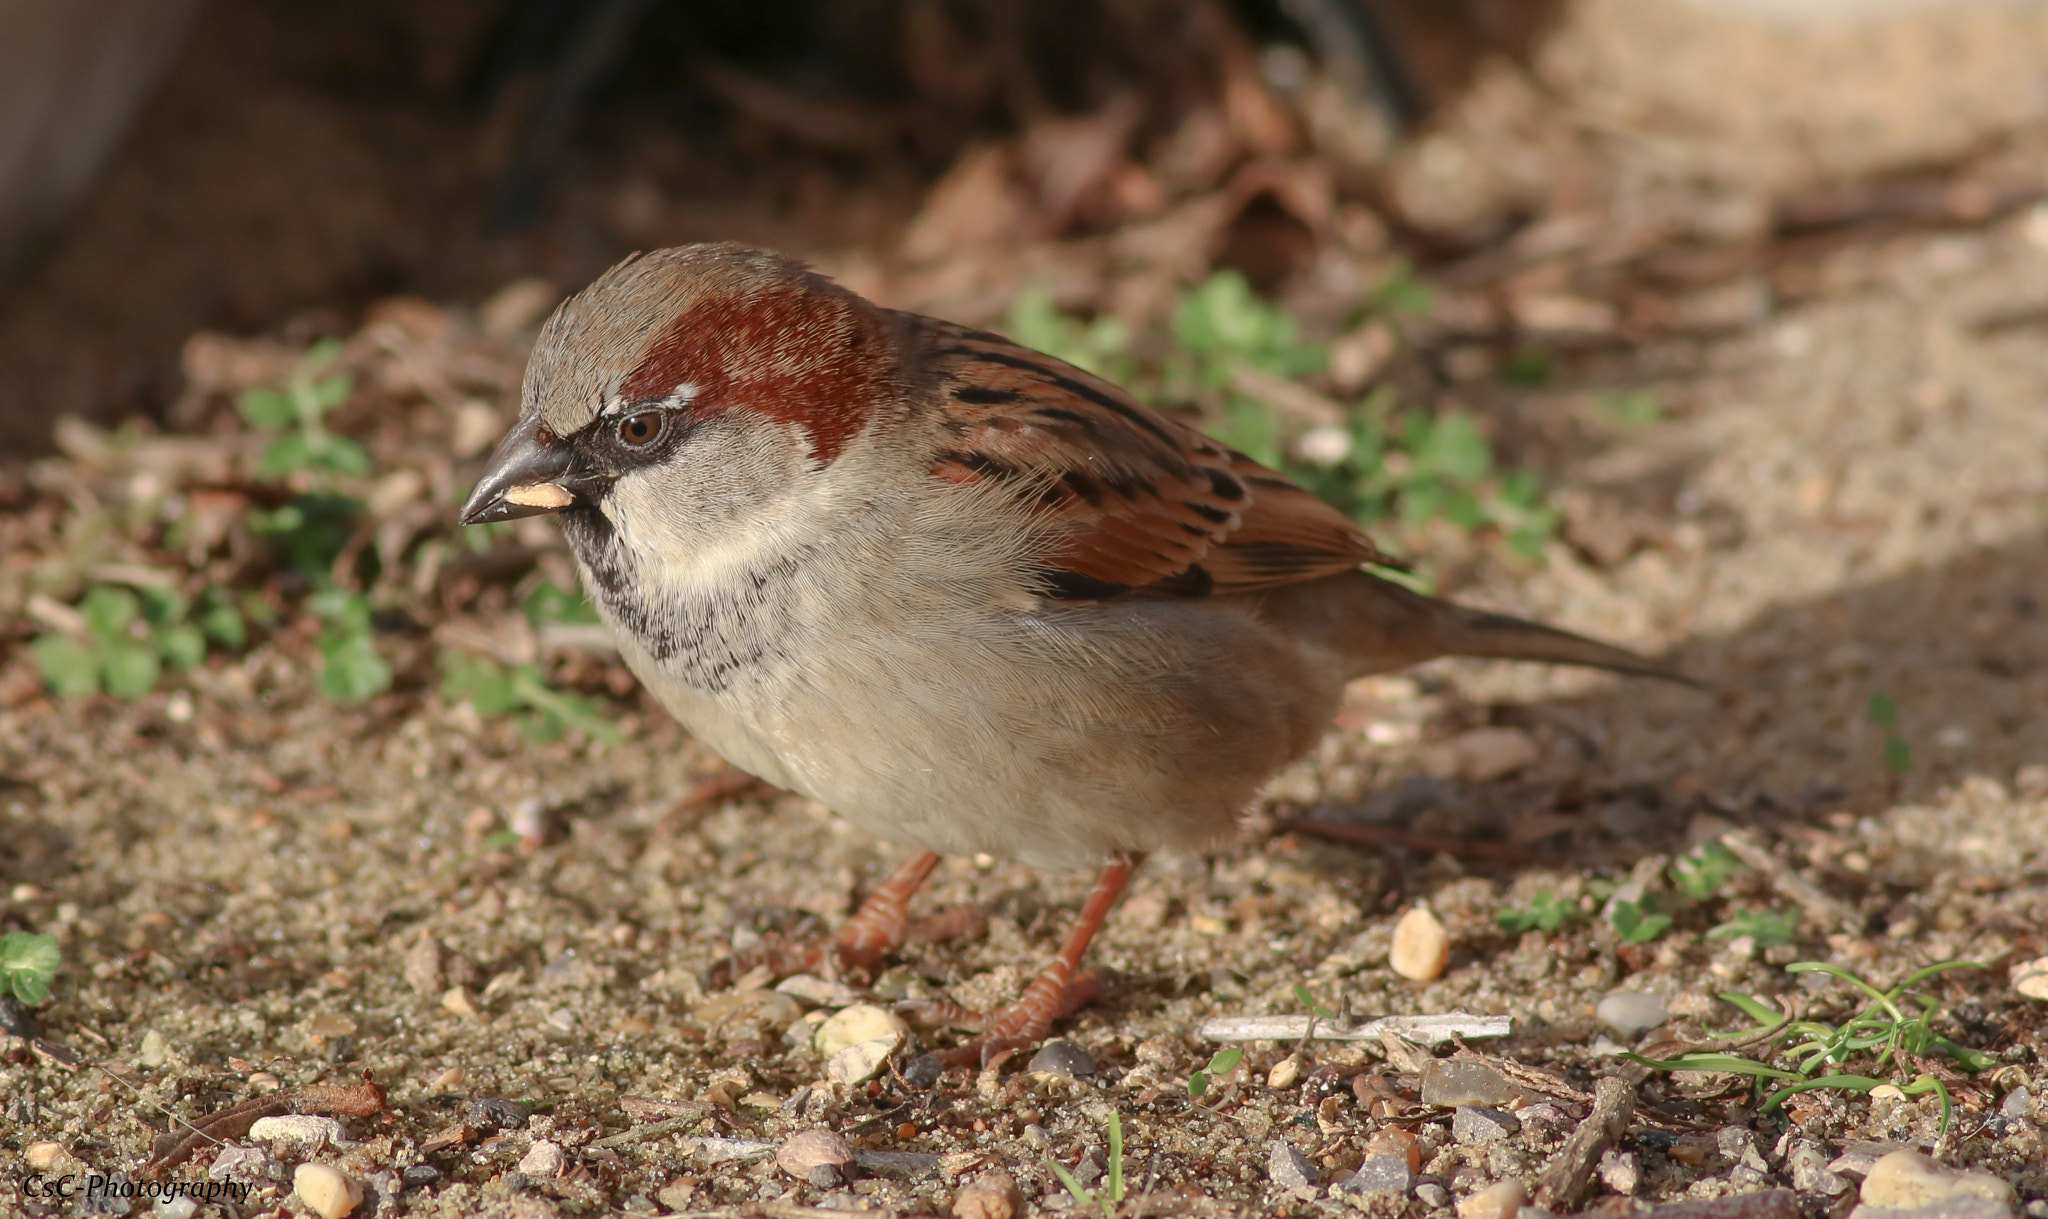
[528,474]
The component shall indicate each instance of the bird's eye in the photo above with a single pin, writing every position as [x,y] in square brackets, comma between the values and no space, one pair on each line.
[641,430]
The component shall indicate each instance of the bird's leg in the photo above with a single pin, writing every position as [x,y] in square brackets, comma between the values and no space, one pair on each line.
[883,920]
[1057,990]
[881,923]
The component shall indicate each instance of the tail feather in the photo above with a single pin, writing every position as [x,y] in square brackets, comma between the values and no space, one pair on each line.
[1470,632]
[1370,625]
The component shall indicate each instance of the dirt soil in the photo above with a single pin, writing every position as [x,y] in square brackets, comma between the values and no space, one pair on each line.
[257,891]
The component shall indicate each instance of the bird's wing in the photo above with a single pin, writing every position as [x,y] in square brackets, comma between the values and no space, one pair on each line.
[1131,502]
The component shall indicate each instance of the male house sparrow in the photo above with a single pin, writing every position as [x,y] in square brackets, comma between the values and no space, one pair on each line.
[962,593]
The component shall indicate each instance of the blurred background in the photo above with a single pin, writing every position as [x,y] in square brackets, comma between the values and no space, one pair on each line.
[1578,173]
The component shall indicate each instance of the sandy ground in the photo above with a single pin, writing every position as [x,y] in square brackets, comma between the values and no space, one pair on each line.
[1848,500]
[256,892]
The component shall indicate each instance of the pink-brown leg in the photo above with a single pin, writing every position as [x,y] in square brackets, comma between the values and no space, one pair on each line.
[881,923]
[1057,990]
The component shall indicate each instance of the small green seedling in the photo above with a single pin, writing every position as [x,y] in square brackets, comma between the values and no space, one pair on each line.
[28,963]
[1223,1063]
[350,667]
[1887,1031]
[547,603]
[1705,870]
[131,634]
[1303,996]
[1639,408]
[1402,292]
[296,409]
[1096,346]
[1768,928]
[1639,922]
[1113,1186]
[544,714]
[1545,912]
[1898,752]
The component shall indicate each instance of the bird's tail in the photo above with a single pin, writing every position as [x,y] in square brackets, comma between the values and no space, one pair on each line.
[1371,625]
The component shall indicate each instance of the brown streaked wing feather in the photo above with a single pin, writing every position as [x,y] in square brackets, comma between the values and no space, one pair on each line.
[1135,502]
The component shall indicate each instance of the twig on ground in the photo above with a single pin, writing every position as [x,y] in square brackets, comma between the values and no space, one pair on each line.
[1826,910]
[1423,1030]
[1565,1178]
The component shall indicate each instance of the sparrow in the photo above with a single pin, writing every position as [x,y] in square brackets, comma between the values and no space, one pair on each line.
[964,594]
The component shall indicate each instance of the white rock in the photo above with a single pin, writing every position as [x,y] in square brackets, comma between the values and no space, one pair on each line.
[1501,1200]
[1422,947]
[2030,978]
[816,991]
[1630,1012]
[1481,755]
[306,1132]
[1907,1179]
[857,1064]
[861,1022]
[330,1192]
[544,1160]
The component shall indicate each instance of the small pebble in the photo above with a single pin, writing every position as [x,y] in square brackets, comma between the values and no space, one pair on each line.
[497,1113]
[992,1195]
[861,1022]
[1500,1200]
[923,1071]
[1807,1164]
[1291,1170]
[1907,1179]
[1285,1074]
[16,1019]
[456,1002]
[1394,1141]
[1063,1058]
[1380,1174]
[861,1062]
[771,1009]
[153,1051]
[821,1157]
[678,1194]
[305,1132]
[1450,1082]
[1036,1138]
[422,967]
[2017,1103]
[1479,1124]
[1632,1012]
[180,1207]
[1620,1171]
[818,992]
[418,1176]
[450,1079]
[544,1160]
[2030,978]
[330,1192]
[235,1162]
[1422,948]
[1432,1195]
[42,1156]
[1481,755]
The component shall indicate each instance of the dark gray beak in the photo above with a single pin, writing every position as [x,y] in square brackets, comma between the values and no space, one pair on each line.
[529,473]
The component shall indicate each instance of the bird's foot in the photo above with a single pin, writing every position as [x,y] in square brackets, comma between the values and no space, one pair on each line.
[1050,997]
[881,924]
